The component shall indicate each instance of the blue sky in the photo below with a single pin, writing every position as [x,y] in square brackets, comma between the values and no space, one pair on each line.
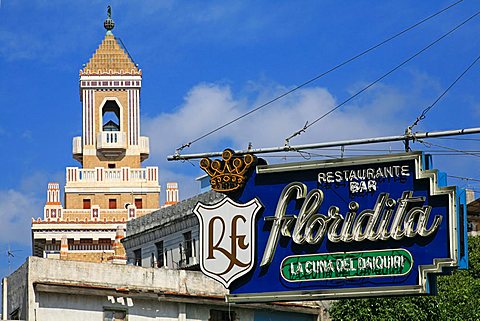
[205,63]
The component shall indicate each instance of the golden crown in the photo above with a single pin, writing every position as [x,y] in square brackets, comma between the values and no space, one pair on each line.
[228,174]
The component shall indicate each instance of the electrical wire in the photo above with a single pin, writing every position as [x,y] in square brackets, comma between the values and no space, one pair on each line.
[426,110]
[462,153]
[464,178]
[379,150]
[380,78]
[459,139]
[319,76]
[428,144]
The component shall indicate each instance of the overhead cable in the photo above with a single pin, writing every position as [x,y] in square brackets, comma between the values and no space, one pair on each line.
[464,178]
[426,110]
[428,144]
[452,138]
[287,140]
[318,76]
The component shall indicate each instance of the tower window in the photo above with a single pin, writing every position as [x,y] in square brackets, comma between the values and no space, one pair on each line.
[111,117]
[112,203]
[138,203]
[110,165]
[87,204]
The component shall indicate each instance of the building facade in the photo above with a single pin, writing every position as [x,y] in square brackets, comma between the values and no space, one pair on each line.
[168,237]
[110,187]
[43,289]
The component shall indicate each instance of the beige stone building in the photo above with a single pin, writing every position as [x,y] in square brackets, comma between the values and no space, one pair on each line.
[110,187]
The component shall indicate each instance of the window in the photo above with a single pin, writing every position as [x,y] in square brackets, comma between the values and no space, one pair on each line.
[218,315]
[187,240]
[137,257]
[87,204]
[112,203]
[160,261]
[111,165]
[110,117]
[114,315]
[138,203]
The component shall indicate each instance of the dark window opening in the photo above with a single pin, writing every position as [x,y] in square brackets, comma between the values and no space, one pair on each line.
[138,203]
[111,117]
[114,315]
[137,257]
[160,260]
[111,166]
[187,240]
[87,204]
[218,315]
[112,203]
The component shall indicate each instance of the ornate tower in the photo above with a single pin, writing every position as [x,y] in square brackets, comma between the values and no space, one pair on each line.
[111,187]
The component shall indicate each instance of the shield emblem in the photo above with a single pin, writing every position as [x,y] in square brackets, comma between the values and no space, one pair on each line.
[227,238]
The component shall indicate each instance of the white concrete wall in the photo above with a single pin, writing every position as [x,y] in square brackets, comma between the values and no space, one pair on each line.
[22,294]
[47,289]
[56,306]
[67,307]
[123,276]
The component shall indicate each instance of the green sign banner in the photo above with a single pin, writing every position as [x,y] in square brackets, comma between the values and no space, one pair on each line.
[342,265]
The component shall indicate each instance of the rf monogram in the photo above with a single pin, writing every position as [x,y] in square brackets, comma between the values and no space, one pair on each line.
[236,241]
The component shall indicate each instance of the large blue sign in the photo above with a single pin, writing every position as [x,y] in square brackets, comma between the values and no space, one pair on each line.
[383,225]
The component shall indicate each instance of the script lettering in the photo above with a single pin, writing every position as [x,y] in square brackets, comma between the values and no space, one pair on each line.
[406,217]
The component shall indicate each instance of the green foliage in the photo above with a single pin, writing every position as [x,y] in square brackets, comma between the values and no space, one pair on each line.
[458,299]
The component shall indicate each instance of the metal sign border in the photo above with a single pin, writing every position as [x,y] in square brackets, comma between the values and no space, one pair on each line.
[424,270]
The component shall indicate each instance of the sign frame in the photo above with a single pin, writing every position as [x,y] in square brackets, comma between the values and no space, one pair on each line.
[456,230]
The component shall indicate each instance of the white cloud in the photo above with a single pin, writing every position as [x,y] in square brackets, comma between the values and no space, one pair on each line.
[16,211]
[20,204]
[208,106]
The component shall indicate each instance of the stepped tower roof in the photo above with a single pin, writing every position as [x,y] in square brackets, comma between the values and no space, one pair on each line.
[111,57]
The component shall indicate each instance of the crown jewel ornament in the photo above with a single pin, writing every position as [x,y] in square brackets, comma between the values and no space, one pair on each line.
[228,174]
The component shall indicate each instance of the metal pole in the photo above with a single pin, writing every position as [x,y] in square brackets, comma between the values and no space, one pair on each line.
[374,140]
[4,299]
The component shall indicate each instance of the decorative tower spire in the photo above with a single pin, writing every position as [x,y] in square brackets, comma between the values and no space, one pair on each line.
[109,24]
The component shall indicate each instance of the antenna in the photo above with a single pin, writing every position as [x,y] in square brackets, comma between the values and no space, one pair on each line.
[10,256]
